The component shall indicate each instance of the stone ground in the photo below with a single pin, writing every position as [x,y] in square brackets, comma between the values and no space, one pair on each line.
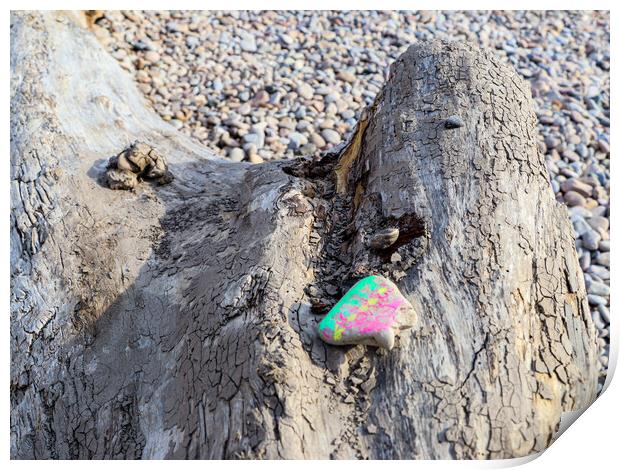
[268,85]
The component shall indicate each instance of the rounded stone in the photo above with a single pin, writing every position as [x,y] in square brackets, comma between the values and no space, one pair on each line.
[331,136]
[346,76]
[152,56]
[573,198]
[590,240]
[454,122]
[297,140]
[372,312]
[598,223]
[236,154]
[597,288]
[575,185]
[317,140]
[305,91]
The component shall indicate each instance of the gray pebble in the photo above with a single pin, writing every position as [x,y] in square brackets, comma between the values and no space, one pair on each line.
[217,85]
[603,259]
[248,44]
[597,288]
[581,211]
[600,224]
[255,139]
[552,142]
[585,260]
[597,300]
[331,136]
[604,311]
[296,140]
[555,186]
[600,271]
[236,154]
[580,225]
[305,91]
[590,240]
[454,122]
[192,41]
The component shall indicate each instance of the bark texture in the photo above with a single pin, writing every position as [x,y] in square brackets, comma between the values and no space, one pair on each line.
[179,321]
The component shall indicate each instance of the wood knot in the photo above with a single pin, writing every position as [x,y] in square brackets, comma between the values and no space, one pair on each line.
[137,162]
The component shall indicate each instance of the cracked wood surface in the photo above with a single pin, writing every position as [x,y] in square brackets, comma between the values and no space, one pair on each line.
[180,321]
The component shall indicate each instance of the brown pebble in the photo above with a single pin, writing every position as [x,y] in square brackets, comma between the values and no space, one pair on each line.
[603,146]
[255,158]
[261,98]
[577,186]
[590,203]
[152,56]
[384,238]
[346,76]
[573,198]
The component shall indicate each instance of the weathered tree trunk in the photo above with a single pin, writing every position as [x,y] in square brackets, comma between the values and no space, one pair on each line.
[179,321]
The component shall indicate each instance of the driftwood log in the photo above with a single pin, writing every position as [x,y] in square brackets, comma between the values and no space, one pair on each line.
[179,320]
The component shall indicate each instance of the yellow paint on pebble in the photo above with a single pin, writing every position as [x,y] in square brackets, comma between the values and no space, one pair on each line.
[338,332]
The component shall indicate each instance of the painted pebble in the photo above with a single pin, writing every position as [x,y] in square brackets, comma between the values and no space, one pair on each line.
[372,312]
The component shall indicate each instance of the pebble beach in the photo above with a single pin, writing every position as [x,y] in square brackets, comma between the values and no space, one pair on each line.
[263,85]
